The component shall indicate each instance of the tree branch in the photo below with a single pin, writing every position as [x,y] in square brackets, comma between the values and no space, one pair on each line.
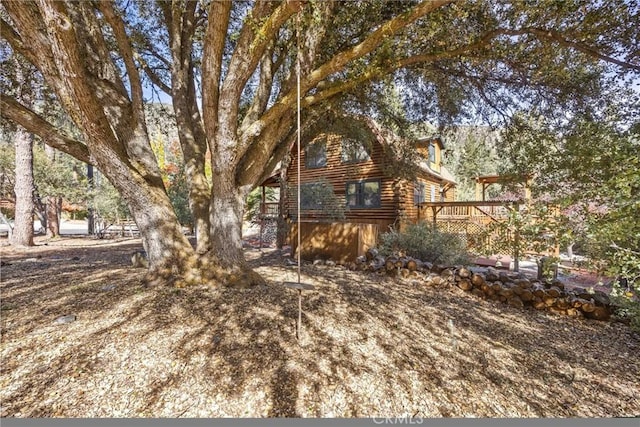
[263,92]
[153,76]
[32,30]
[375,72]
[33,123]
[338,62]
[556,36]
[124,46]
[14,40]
[374,40]
[250,48]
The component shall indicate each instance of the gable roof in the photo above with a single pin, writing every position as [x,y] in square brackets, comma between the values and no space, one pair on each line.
[399,150]
[402,150]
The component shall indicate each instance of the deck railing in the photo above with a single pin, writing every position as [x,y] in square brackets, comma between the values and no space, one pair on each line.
[477,212]
[471,221]
[269,209]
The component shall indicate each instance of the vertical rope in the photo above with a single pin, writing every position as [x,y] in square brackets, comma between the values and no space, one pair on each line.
[298,137]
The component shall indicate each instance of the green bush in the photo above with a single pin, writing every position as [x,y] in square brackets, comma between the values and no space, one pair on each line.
[423,242]
[627,305]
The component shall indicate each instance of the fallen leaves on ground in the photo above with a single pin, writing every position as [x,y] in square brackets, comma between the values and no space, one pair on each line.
[370,346]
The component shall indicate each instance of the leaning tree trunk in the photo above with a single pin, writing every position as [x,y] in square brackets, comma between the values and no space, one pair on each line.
[24,187]
[171,257]
[168,250]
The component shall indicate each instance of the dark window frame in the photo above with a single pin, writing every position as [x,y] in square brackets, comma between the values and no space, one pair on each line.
[350,154]
[316,151]
[432,153]
[360,194]
[419,192]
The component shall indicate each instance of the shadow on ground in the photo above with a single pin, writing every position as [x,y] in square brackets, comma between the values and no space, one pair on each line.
[370,347]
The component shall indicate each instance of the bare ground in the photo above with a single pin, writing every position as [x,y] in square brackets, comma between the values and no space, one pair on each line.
[370,346]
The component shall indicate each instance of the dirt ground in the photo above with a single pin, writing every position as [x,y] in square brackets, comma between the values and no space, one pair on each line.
[370,346]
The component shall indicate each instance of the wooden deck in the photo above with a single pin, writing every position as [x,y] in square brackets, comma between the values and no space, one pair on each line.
[471,221]
[481,212]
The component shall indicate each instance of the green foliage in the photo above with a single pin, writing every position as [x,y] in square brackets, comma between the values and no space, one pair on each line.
[107,203]
[60,176]
[252,208]
[471,153]
[55,176]
[7,170]
[423,242]
[525,228]
[320,199]
[625,265]
[178,192]
[588,167]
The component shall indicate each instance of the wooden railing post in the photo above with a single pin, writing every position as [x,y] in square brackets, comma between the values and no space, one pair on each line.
[435,214]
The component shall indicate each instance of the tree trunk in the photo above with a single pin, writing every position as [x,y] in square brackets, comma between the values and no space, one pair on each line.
[194,146]
[54,209]
[169,252]
[171,256]
[91,221]
[40,210]
[193,140]
[23,188]
[227,209]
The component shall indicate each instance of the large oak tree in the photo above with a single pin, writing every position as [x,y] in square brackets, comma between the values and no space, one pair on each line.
[230,69]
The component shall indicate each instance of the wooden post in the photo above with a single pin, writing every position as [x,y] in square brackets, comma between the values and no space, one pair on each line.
[263,207]
[435,213]
[299,287]
[299,314]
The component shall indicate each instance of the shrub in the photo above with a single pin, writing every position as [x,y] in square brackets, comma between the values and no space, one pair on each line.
[624,264]
[423,242]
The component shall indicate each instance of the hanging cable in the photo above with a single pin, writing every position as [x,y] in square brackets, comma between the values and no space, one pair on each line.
[298,285]
[298,137]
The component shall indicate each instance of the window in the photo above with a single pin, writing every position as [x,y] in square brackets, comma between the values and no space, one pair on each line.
[432,153]
[419,192]
[316,154]
[353,151]
[311,196]
[363,194]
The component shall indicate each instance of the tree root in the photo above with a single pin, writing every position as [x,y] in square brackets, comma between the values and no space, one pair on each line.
[203,271]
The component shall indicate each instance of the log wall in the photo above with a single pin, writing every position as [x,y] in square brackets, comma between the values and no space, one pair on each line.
[339,242]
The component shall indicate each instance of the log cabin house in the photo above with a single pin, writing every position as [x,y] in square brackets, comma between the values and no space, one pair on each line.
[357,180]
